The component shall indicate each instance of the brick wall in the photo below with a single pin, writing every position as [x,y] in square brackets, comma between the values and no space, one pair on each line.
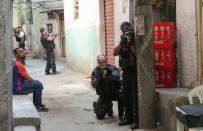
[109,29]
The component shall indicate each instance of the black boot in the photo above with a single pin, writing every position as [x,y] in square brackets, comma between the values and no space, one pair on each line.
[134,126]
[125,122]
[110,110]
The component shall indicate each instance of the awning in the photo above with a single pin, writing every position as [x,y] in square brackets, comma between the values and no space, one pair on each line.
[56,10]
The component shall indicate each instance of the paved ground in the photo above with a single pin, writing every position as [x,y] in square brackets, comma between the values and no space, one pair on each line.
[70,102]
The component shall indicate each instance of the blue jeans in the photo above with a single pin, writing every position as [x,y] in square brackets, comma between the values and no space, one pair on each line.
[34,87]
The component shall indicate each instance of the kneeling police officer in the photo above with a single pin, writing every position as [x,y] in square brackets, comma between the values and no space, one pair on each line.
[106,80]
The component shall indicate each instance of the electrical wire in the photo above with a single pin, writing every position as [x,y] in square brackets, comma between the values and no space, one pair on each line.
[39,1]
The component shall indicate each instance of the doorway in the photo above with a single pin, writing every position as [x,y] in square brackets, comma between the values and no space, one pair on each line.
[62,38]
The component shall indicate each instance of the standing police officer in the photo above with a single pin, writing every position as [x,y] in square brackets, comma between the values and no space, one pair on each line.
[127,61]
[47,42]
[20,36]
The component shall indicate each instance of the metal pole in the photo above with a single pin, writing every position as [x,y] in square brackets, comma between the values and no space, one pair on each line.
[29,22]
[198,4]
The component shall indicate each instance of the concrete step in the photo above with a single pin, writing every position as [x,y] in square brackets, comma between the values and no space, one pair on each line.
[30,54]
[24,128]
[24,112]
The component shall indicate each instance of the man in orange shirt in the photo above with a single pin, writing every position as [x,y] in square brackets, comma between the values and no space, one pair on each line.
[24,84]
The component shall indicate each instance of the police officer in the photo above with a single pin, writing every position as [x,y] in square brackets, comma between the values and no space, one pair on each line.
[106,80]
[47,42]
[20,36]
[127,61]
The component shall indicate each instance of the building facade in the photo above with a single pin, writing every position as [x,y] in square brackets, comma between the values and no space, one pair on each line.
[92,28]
[44,14]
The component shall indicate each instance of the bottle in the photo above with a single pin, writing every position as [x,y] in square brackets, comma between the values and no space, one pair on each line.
[156,55]
[156,33]
[162,76]
[156,76]
[168,54]
[162,54]
[162,32]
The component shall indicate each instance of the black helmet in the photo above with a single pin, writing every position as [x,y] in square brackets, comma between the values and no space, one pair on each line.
[125,26]
[19,26]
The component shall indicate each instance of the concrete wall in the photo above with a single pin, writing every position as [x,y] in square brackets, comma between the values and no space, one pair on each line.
[39,20]
[83,34]
[35,32]
[186,41]
[35,27]
[17,22]
[5,65]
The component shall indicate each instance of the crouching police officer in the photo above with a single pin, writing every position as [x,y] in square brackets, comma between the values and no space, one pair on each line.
[106,80]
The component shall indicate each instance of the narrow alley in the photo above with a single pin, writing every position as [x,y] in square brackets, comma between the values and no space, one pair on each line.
[145,54]
[69,101]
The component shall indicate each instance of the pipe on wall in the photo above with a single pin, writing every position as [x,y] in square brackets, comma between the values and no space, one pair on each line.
[198,4]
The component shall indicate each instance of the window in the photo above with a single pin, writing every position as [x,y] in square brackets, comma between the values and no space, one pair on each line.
[76,9]
[50,15]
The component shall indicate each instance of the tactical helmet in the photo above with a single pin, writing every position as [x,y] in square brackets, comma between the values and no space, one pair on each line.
[19,26]
[125,26]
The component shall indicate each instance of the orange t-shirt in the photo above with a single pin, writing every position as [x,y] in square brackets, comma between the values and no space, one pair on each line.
[21,68]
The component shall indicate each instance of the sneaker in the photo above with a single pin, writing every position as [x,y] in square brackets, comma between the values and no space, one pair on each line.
[42,109]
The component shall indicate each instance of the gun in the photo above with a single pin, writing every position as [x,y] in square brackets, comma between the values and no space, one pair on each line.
[56,34]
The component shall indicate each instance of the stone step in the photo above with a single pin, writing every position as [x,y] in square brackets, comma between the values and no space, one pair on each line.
[24,128]
[30,54]
[24,112]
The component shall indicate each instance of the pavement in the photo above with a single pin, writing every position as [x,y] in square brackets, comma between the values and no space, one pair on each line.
[69,101]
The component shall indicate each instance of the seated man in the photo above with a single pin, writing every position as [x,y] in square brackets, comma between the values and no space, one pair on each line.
[23,84]
[106,80]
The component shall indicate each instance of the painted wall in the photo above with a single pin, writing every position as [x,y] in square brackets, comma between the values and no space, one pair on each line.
[121,13]
[82,35]
[186,41]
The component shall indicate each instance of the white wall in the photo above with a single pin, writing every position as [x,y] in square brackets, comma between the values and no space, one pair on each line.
[186,41]
[83,35]
[119,17]
[89,13]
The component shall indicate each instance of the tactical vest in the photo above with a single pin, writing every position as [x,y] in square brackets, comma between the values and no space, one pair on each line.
[126,59]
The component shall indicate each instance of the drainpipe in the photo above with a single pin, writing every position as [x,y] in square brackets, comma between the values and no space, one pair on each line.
[198,5]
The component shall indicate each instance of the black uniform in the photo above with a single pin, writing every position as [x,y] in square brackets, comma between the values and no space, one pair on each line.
[106,81]
[49,49]
[127,62]
[20,39]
